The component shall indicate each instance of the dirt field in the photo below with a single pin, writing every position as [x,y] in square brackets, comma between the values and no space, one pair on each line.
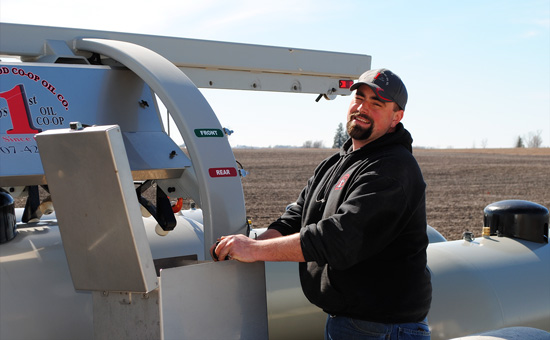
[460,183]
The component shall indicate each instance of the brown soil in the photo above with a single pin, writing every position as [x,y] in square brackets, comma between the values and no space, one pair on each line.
[460,183]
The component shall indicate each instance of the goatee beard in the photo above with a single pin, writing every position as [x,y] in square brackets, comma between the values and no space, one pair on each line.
[358,133]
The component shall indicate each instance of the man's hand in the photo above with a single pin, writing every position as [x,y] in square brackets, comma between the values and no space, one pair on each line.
[273,247]
[234,247]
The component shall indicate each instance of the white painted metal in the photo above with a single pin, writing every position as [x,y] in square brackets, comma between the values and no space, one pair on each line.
[108,252]
[58,94]
[34,277]
[221,198]
[210,64]
[510,333]
[37,297]
[124,315]
[478,286]
[487,284]
[229,304]
[103,234]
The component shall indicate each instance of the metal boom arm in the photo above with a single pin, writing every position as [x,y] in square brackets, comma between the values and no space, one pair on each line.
[209,64]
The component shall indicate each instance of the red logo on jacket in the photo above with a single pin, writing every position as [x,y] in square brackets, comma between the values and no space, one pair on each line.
[341,182]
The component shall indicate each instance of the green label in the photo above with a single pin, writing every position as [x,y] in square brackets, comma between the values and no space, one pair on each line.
[208,133]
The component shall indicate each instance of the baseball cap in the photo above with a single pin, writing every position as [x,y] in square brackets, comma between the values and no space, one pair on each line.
[387,86]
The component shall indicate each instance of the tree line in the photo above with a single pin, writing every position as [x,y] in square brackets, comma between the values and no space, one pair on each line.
[340,137]
[531,140]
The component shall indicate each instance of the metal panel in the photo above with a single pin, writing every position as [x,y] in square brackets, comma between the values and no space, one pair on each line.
[123,315]
[206,56]
[51,96]
[35,284]
[220,187]
[99,216]
[488,283]
[214,300]
[154,155]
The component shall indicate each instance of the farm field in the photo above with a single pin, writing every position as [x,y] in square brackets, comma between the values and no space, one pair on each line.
[460,183]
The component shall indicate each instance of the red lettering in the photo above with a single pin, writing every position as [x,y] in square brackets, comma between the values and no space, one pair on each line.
[19,111]
[16,139]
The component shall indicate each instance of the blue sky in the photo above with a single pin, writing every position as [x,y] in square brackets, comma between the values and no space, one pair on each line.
[477,72]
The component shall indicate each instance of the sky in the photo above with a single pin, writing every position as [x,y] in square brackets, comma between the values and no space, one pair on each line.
[477,72]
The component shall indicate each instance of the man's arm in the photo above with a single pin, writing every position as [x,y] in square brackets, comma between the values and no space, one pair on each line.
[271,247]
[269,233]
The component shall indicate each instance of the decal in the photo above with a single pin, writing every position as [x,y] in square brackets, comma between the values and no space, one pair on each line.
[208,133]
[19,112]
[342,182]
[14,149]
[39,97]
[32,76]
[222,172]
[18,106]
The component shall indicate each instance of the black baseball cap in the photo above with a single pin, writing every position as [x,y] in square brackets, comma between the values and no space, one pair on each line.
[387,86]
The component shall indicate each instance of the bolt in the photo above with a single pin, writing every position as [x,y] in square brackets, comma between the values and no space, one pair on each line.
[143,103]
[173,154]
[171,189]
[468,236]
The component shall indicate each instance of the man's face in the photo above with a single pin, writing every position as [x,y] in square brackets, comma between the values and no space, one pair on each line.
[369,118]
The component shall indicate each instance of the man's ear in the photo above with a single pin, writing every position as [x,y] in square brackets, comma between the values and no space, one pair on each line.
[397,116]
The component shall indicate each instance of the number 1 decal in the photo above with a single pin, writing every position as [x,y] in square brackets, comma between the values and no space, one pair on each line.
[20,112]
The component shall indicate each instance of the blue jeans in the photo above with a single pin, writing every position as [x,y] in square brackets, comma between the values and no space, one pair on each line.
[344,328]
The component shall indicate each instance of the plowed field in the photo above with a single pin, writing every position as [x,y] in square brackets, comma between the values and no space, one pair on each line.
[460,183]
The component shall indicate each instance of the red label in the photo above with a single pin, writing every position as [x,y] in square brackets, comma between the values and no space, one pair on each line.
[342,182]
[222,172]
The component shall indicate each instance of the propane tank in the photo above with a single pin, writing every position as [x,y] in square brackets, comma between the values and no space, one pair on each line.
[517,219]
[7,217]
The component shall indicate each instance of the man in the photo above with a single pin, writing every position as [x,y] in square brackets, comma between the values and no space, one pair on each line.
[358,228]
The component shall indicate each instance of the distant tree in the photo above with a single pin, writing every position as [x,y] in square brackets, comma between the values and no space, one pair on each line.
[308,144]
[534,140]
[519,143]
[484,143]
[340,137]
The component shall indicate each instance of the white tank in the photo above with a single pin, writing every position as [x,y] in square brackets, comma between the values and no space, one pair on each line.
[479,285]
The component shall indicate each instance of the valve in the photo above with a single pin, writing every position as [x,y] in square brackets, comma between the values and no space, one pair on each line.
[176,207]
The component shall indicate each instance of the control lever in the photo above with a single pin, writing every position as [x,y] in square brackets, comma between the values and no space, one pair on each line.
[31,212]
[162,212]
[215,256]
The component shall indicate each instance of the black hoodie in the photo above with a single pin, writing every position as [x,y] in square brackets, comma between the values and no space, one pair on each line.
[362,225]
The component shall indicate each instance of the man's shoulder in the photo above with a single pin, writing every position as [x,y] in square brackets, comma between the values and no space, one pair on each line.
[393,161]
